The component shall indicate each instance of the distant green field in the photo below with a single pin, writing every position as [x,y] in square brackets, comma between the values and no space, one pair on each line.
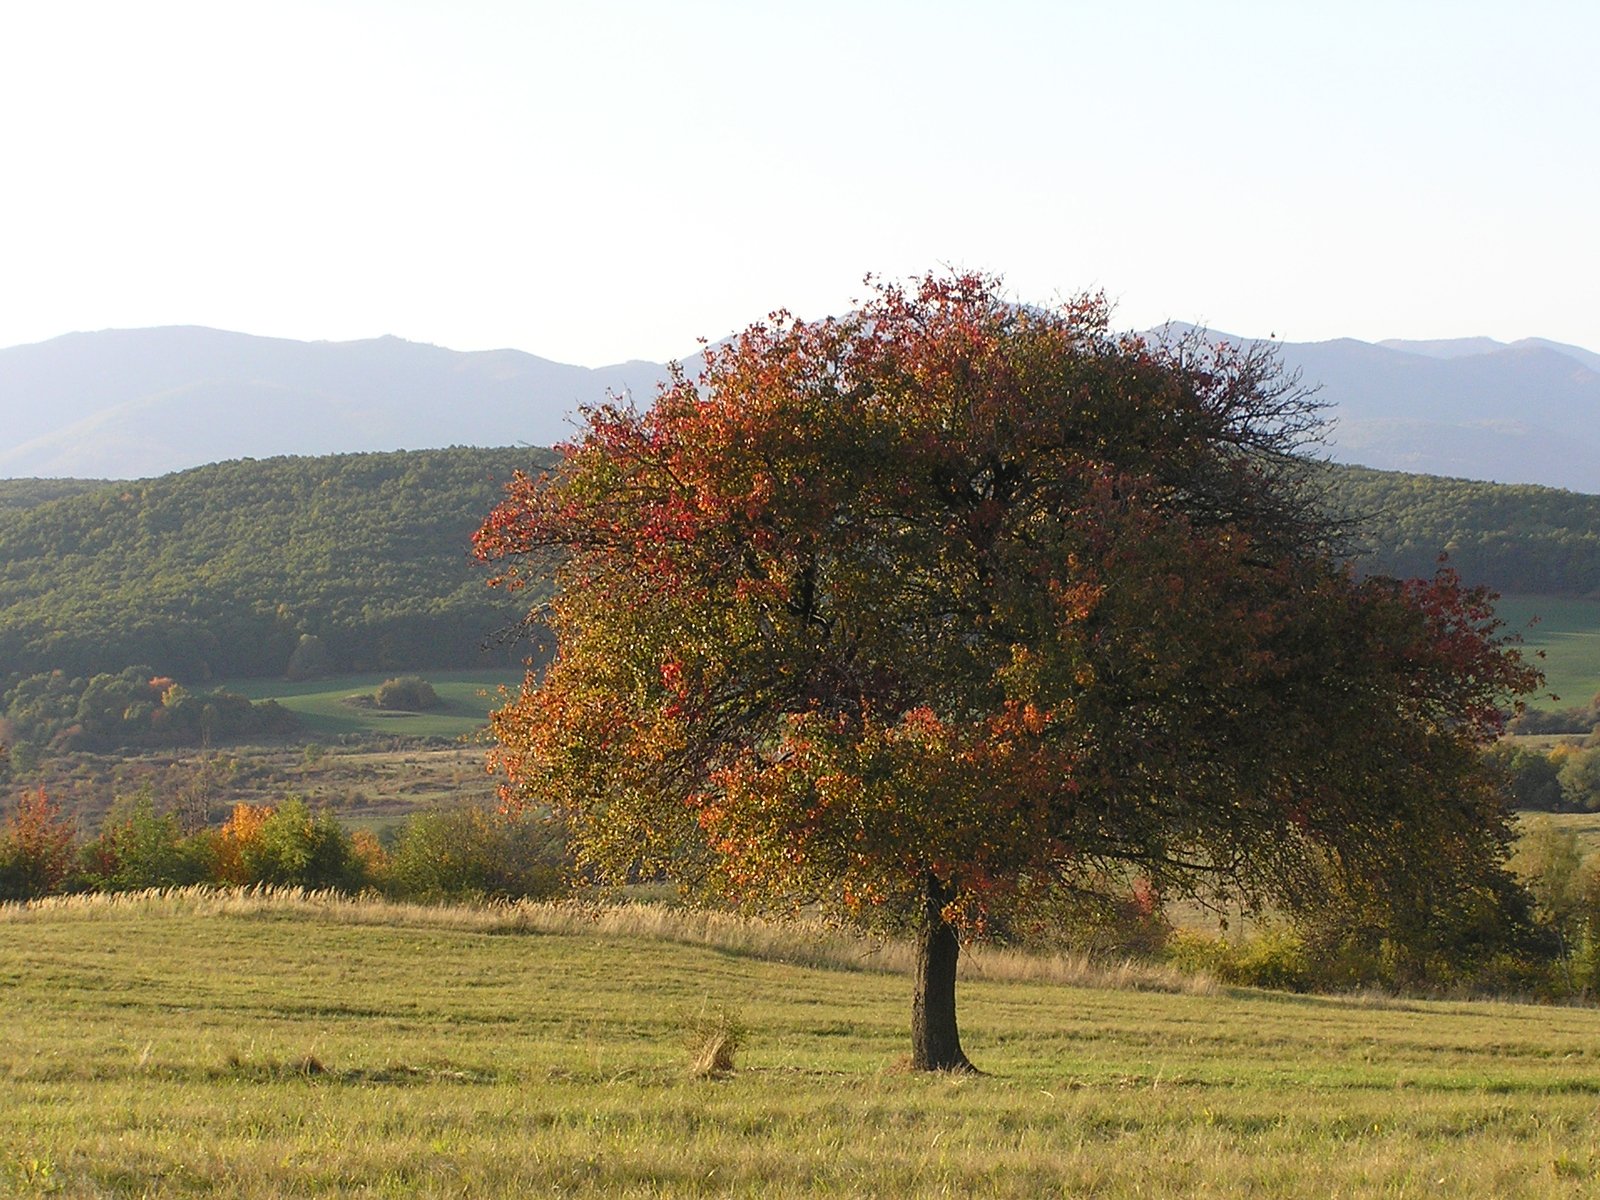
[158,1049]
[1568,631]
[1585,826]
[323,705]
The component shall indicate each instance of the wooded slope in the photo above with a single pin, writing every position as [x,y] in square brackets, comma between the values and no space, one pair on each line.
[1517,538]
[217,572]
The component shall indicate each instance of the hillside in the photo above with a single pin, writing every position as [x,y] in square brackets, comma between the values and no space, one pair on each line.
[1518,539]
[30,493]
[135,403]
[219,571]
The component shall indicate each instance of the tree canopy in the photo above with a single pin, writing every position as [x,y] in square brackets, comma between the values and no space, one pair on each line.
[931,611]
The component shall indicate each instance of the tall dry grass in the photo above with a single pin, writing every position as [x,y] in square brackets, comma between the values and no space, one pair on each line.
[798,941]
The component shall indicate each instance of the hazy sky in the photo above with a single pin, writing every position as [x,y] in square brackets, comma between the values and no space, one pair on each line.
[593,181]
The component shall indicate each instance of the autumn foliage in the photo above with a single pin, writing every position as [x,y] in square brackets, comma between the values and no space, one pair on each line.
[38,848]
[923,614]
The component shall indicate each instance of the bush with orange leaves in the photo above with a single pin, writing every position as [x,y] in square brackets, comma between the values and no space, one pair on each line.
[38,847]
[237,842]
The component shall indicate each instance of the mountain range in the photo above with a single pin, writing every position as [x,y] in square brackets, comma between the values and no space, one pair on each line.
[136,403]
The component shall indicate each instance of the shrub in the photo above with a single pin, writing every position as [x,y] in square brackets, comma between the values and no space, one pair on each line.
[293,847]
[309,660]
[473,852]
[408,693]
[1273,957]
[142,848]
[1106,918]
[37,849]
[1531,775]
[1579,776]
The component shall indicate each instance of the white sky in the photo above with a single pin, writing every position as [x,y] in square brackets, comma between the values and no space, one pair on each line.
[592,181]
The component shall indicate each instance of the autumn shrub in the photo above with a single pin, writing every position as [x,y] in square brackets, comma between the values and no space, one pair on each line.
[474,852]
[407,693]
[371,859]
[37,848]
[237,843]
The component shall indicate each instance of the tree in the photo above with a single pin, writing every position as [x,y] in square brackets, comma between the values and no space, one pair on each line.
[926,613]
[1533,777]
[310,659]
[1579,777]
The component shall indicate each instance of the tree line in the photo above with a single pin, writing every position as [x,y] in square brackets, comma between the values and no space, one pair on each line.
[135,707]
[1564,778]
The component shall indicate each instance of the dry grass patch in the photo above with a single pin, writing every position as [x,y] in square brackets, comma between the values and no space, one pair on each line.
[162,1046]
[798,942]
[713,1037]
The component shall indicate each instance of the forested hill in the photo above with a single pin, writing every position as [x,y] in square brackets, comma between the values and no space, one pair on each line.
[218,571]
[1517,538]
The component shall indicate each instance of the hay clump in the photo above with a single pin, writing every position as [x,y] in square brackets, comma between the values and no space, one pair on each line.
[713,1036]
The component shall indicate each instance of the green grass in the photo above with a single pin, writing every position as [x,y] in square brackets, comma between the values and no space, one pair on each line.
[171,1048]
[1568,631]
[324,709]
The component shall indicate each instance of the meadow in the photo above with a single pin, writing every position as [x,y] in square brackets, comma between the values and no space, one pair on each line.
[330,708]
[205,1045]
[1567,630]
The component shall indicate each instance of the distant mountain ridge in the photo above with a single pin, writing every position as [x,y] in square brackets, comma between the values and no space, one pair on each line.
[137,403]
[128,404]
[1468,408]
[1471,346]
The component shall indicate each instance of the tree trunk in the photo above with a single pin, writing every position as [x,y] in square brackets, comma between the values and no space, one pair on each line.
[935,1043]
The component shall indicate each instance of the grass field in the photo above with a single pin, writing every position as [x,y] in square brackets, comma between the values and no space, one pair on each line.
[324,706]
[1568,631]
[1585,826]
[188,1047]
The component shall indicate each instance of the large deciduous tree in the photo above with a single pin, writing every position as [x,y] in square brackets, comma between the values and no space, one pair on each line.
[926,612]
